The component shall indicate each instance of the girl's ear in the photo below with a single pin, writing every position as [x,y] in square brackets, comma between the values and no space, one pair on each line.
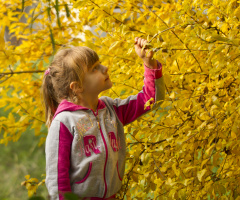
[74,86]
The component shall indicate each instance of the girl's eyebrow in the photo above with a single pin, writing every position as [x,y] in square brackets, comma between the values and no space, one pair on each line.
[95,64]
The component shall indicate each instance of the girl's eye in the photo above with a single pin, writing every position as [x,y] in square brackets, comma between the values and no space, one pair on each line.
[95,68]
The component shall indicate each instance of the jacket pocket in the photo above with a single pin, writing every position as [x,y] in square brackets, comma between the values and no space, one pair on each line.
[118,172]
[87,175]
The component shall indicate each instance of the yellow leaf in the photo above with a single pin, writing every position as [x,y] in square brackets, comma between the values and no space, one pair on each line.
[27,177]
[173,194]
[209,149]
[114,45]
[2,41]
[28,186]
[176,171]
[182,193]
[23,183]
[170,182]
[31,192]
[149,103]
[219,189]
[211,126]
[204,116]
[200,174]
[237,12]
[172,95]
[204,162]
[41,183]
[233,134]
[216,101]
[33,180]
[202,125]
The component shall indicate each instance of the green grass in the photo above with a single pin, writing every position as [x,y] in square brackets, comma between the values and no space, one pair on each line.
[17,160]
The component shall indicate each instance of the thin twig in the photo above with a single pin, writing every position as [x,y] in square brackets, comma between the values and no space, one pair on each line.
[21,72]
[148,143]
[159,171]
[166,50]
[160,33]
[29,114]
[115,93]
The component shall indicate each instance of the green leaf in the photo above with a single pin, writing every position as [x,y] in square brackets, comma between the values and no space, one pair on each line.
[215,169]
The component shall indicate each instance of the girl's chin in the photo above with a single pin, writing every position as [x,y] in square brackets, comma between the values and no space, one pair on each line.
[110,85]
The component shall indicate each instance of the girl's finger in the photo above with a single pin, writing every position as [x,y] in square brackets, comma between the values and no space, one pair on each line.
[136,40]
[142,42]
[145,42]
[139,42]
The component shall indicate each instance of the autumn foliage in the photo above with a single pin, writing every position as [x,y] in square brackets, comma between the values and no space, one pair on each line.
[189,148]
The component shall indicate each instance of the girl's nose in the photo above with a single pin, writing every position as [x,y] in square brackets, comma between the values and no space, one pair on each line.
[105,69]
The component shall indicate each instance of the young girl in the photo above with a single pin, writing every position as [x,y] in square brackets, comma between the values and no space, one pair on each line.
[85,146]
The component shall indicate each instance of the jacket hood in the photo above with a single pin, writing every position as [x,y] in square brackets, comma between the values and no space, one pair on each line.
[69,106]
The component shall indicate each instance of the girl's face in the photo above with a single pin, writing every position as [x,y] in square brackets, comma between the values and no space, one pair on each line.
[96,79]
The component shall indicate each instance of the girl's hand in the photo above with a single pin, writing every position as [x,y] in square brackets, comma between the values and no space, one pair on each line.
[145,54]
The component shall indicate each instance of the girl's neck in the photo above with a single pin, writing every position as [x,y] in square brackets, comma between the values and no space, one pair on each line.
[88,102]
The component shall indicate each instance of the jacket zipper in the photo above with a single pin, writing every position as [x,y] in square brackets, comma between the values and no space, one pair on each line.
[105,144]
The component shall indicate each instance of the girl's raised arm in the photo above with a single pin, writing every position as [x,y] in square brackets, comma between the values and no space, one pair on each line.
[131,108]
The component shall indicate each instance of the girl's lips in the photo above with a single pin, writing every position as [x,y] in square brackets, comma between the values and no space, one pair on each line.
[107,78]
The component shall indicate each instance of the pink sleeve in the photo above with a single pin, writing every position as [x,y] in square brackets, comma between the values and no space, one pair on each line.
[131,108]
[64,153]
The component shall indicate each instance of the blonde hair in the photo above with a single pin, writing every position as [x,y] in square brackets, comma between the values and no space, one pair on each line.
[68,65]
